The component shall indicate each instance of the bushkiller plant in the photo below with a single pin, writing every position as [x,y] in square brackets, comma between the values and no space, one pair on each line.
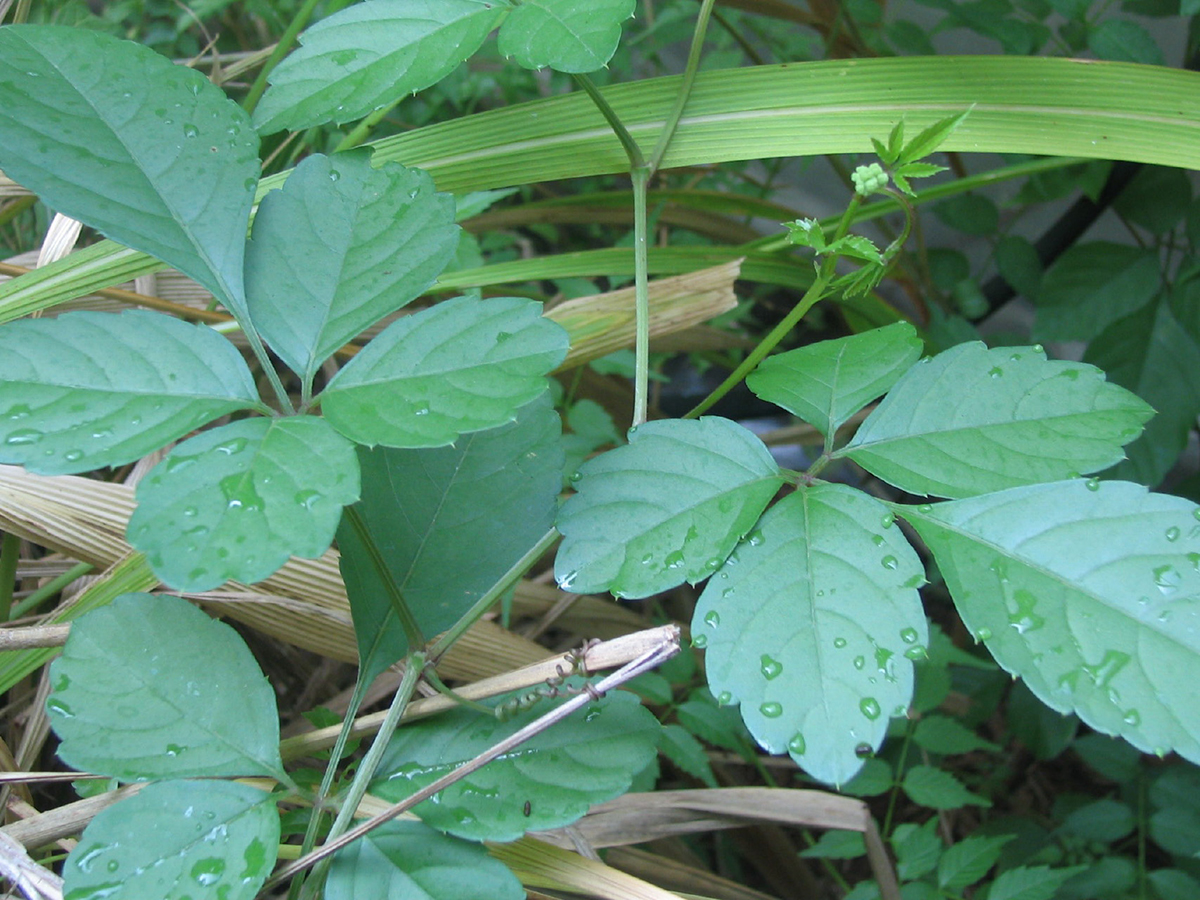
[436,460]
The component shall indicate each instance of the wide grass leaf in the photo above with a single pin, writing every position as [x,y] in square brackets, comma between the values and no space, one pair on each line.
[812,626]
[1088,590]
[88,389]
[149,153]
[177,840]
[152,687]
[448,522]
[973,420]
[461,366]
[407,860]
[828,382]
[235,502]
[548,782]
[370,54]
[566,35]
[666,508]
[341,246]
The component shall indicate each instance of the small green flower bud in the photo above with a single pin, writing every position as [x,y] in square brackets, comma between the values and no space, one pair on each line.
[869,179]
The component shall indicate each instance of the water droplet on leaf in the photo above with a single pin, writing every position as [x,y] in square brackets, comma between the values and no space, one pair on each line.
[770,667]
[24,436]
[870,708]
[700,640]
[796,745]
[712,619]
[771,709]
[889,562]
[1173,534]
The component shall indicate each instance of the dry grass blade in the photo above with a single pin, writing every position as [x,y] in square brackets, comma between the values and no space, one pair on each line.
[678,876]
[541,865]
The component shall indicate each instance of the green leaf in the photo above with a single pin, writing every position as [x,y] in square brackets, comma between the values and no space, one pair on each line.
[930,139]
[930,786]
[89,389]
[873,779]
[1124,41]
[1157,198]
[1019,265]
[666,508]
[588,758]
[176,840]
[1151,354]
[460,366]
[1101,820]
[918,849]
[1088,591]
[449,522]
[1044,732]
[969,860]
[857,247]
[812,625]
[1091,286]
[566,35]
[973,420]
[969,213]
[151,154]
[151,687]
[837,845]
[1030,883]
[1113,759]
[943,735]
[407,860]
[718,725]
[235,502]
[367,55]
[1173,884]
[828,382]
[681,748]
[340,247]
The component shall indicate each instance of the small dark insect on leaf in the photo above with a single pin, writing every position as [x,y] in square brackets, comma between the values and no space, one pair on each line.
[528,808]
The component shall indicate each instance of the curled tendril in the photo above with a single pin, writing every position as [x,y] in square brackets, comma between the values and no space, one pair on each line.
[555,686]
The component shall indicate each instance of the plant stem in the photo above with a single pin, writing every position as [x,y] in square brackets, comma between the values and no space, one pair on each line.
[411,629]
[685,90]
[643,663]
[484,603]
[363,129]
[641,294]
[632,150]
[303,14]
[49,589]
[414,667]
[10,553]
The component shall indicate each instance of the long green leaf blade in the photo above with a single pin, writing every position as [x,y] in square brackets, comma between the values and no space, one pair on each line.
[567,35]
[973,420]
[152,154]
[367,55]
[151,687]
[812,626]
[1088,591]
[88,390]
[235,502]
[449,522]
[178,840]
[461,366]
[666,508]
[340,247]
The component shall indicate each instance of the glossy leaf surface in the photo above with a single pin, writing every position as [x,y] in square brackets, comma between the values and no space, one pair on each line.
[177,840]
[90,389]
[461,366]
[235,502]
[368,55]
[566,35]
[1091,286]
[588,758]
[448,522]
[341,246]
[407,860]
[827,382]
[973,420]
[151,154]
[666,508]
[812,626]
[152,687]
[1088,591]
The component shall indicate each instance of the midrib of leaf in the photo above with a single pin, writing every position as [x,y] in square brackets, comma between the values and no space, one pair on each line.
[1071,584]
[805,499]
[437,513]
[961,430]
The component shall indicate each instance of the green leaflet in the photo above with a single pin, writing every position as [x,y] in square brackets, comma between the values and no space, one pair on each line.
[932,787]
[1069,584]
[152,154]
[177,840]
[367,55]
[812,626]
[588,758]
[340,247]
[827,382]
[666,508]
[969,860]
[566,35]
[422,508]
[151,687]
[236,501]
[973,420]
[1091,286]
[461,366]
[89,389]
[407,860]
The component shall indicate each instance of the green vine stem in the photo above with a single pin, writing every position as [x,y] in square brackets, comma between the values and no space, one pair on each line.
[412,630]
[286,40]
[10,551]
[49,589]
[685,89]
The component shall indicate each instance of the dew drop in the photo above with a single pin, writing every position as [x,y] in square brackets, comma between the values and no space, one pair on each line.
[73,455]
[870,708]
[983,634]
[754,538]
[712,619]
[770,667]
[58,707]
[422,409]
[889,562]
[334,174]
[190,130]
[877,540]
[796,745]
[700,640]
[916,653]
[909,635]
[1093,484]
[771,709]
[888,520]
[839,642]
[859,662]
[995,371]
[575,477]
[1168,579]
[863,750]
[308,498]
[1196,513]
[189,511]
[724,698]
[1173,534]
[24,436]
[113,865]
[1132,717]
[208,872]
[1038,348]
[229,448]
[567,580]
[925,508]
